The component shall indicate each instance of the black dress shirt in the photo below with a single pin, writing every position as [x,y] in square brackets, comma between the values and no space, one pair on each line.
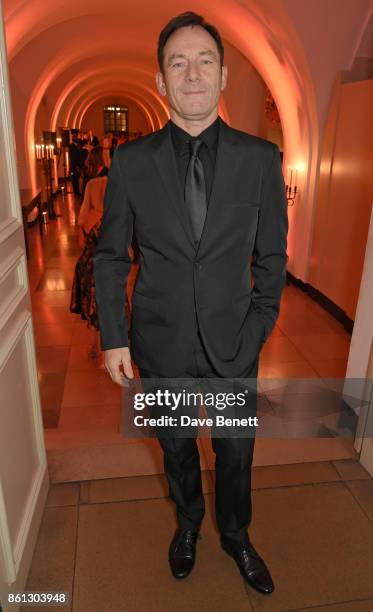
[207,155]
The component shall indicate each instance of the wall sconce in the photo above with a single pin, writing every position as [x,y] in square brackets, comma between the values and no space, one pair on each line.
[291,188]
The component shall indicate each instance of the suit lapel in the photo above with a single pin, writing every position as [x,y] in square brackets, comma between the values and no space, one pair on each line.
[164,158]
[224,164]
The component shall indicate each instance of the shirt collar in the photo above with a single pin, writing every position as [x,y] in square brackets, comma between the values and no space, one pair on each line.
[181,138]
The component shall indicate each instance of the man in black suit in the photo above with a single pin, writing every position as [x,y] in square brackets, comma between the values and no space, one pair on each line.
[206,203]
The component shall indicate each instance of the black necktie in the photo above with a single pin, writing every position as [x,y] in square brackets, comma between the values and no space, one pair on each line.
[195,190]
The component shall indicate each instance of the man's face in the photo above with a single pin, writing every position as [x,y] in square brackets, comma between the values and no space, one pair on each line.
[192,75]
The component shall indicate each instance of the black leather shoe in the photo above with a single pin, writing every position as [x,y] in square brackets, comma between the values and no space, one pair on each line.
[252,567]
[182,552]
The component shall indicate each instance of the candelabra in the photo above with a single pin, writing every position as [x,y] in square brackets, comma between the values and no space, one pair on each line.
[45,157]
[290,189]
[291,194]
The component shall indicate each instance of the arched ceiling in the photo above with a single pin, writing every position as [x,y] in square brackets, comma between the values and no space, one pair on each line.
[71,51]
[94,75]
[94,96]
[67,34]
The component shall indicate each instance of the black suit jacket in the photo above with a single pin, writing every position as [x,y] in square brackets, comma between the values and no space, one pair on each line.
[246,227]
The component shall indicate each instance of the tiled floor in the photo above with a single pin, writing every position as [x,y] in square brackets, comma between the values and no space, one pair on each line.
[108,521]
[105,542]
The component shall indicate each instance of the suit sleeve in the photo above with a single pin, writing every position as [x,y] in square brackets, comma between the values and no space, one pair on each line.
[111,261]
[268,267]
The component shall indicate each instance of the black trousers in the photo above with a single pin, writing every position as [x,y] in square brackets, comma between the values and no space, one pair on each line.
[233,461]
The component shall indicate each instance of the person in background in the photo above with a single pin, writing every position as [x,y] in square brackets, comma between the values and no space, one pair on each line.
[90,137]
[91,165]
[122,138]
[83,296]
[95,163]
[106,143]
[75,164]
[86,145]
[114,144]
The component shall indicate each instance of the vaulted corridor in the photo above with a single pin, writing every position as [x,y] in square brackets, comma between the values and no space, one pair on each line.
[261,178]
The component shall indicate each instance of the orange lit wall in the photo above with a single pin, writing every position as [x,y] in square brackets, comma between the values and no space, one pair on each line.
[345,196]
